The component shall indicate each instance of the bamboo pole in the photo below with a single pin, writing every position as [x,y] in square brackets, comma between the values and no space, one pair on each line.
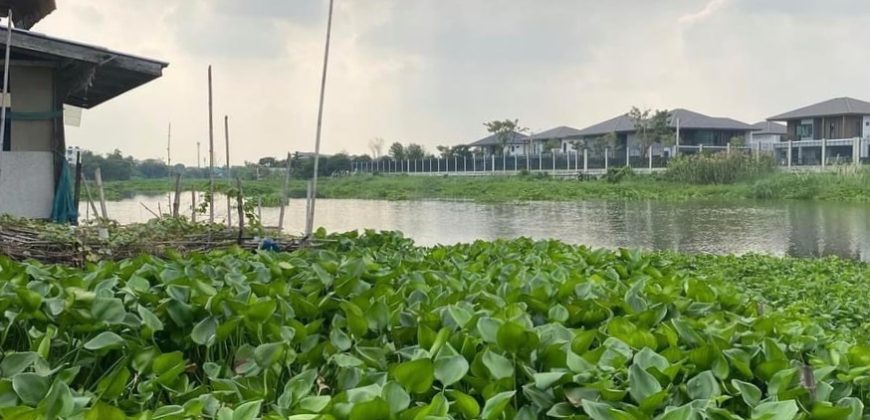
[193,206]
[210,150]
[88,195]
[99,179]
[228,175]
[309,224]
[6,102]
[284,194]
[177,202]
[78,187]
[241,209]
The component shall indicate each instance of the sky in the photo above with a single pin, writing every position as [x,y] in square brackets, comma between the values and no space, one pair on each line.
[432,71]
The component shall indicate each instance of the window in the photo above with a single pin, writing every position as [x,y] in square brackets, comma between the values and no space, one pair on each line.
[805,130]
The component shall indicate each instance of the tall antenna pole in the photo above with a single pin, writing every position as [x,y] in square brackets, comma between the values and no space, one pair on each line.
[210,152]
[6,81]
[309,225]
[198,160]
[228,175]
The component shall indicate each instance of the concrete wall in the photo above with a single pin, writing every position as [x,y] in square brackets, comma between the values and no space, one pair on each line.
[26,184]
[31,89]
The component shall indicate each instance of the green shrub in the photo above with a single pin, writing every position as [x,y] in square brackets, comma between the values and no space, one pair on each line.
[718,168]
[617,175]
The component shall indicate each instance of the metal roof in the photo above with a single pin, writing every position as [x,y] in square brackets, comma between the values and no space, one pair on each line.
[96,74]
[558,133]
[832,107]
[26,13]
[493,140]
[770,127]
[689,120]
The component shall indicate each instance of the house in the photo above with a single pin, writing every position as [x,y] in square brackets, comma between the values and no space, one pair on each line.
[835,125]
[563,138]
[45,74]
[767,134]
[692,128]
[515,144]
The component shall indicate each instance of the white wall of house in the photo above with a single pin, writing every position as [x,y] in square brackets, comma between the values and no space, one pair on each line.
[31,89]
[866,126]
[26,184]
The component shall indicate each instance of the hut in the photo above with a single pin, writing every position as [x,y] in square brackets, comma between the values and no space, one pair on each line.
[46,73]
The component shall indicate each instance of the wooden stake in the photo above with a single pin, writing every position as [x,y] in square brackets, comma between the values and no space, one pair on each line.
[78,188]
[99,179]
[284,194]
[309,224]
[228,175]
[210,151]
[149,210]
[241,208]
[177,203]
[193,206]
[90,198]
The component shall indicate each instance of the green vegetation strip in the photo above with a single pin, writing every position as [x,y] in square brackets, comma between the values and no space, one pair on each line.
[832,186]
[373,327]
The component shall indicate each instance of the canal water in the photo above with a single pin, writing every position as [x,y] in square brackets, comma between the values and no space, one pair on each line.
[794,228]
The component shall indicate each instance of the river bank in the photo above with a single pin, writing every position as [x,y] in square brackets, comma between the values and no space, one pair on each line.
[828,186]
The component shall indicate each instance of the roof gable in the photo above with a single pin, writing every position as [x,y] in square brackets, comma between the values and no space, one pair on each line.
[770,127]
[831,107]
[687,120]
[558,133]
[493,140]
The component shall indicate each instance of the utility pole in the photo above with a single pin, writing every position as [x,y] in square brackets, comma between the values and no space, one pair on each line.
[168,147]
[228,175]
[309,225]
[198,160]
[6,102]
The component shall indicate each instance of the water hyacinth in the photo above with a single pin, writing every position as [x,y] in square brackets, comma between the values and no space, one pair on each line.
[373,327]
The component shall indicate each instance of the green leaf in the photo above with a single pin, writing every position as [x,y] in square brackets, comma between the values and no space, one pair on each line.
[247,411]
[451,369]
[415,376]
[396,397]
[376,409]
[558,313]
[460,316]
[686,412]
[15,363]
[315,404]
[496,405]
[642,385]
[750,393]
[114,384]
[150,319]
[648,358]
[103,411]
[488,329]
[855,405]
[30,387]
[775,410]
[204,332]
[499,367]
[105,340]
[108,310]
[464,404]
[59,401]
[546,380]
[511,337]
[703,386]
[168,367]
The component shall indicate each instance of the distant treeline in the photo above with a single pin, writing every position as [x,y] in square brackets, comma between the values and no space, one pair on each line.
[116,166]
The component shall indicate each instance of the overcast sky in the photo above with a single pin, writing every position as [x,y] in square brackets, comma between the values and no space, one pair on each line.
[432,71]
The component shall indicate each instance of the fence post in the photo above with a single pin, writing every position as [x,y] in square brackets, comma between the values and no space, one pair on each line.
[824,152]
[473,162]
[585,161]
[540,162]
[650,159]
[728,149]
[757,152]
[856,151]
[788,159]
[606,158]
[576,160]
[554,161]
[492,168]
[515,163]
[627,155]
[700,149]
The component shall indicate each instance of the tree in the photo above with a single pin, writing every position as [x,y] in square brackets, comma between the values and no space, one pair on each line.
[397,151]
[376,145]
[598,144]
[153,168]
[444,151]
[651,127]
[504,131]
[415,151]
[552,144]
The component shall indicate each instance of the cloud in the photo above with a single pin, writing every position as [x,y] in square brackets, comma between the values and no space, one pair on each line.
[712,7]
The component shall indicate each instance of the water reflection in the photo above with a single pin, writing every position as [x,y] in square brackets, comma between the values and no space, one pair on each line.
[804,229]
